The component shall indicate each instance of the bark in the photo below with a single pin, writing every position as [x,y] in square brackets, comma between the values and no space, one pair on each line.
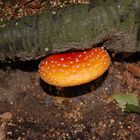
[114,22]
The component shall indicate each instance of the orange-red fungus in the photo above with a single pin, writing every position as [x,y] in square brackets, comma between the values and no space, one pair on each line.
[74,68]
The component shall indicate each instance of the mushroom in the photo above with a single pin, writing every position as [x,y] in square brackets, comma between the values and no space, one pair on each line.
[74,68]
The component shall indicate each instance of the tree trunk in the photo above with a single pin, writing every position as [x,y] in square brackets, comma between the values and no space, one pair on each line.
[114,22]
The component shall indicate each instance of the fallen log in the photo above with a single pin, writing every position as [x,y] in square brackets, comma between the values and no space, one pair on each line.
[114,23]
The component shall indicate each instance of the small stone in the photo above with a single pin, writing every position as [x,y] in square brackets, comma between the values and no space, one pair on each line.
[6,116]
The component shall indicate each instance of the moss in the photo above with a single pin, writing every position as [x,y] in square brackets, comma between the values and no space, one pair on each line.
[76,26]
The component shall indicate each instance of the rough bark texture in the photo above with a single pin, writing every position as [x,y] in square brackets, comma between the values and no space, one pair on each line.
[117,22]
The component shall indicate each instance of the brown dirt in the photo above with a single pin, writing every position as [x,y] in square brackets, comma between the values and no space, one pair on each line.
[37,111]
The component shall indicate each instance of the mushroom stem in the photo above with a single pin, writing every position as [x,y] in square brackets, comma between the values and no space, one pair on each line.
[59,88]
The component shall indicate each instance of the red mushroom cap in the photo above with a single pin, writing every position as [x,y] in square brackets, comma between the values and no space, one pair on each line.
[74,68]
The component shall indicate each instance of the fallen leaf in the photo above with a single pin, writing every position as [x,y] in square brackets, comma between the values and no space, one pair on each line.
[134,69]
[124,100]
[132,108]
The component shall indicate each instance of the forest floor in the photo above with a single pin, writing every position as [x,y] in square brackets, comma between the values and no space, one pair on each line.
[33,110]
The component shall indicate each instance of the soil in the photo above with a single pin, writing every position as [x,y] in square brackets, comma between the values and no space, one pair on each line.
[32,110]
